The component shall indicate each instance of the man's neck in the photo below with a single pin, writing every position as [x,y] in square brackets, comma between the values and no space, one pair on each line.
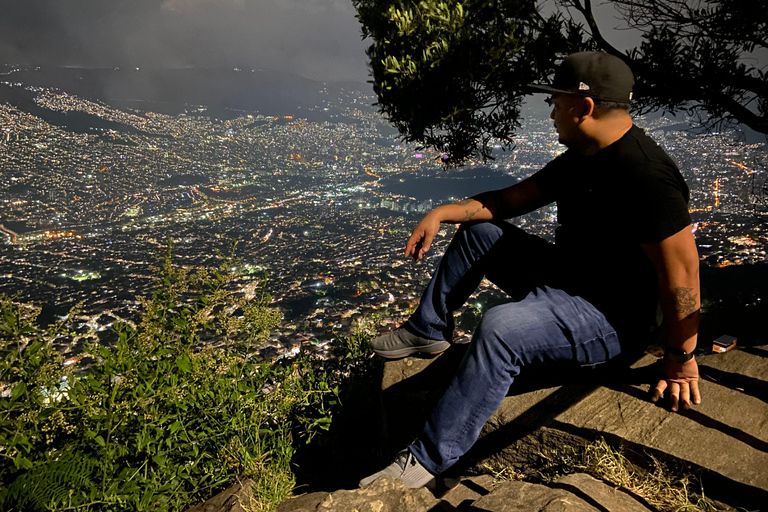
[601,133]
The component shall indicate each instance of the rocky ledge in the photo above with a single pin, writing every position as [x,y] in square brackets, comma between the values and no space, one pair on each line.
[573,493]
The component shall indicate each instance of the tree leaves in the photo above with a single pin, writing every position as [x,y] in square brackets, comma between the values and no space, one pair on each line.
[452,74]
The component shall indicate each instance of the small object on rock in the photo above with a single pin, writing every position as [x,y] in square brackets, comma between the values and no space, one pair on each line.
[723,344]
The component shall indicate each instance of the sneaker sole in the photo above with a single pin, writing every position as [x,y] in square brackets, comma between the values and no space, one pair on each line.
[435,348]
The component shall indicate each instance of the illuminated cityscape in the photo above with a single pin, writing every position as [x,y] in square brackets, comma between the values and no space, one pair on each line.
[320,199]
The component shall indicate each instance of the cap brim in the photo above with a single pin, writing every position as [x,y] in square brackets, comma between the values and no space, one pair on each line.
[548,88]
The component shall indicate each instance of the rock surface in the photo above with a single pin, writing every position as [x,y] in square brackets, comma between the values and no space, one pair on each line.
[383,495]
[469,490]
[528,497]
[573,493]
[725,439]
[599,494]
[234,499]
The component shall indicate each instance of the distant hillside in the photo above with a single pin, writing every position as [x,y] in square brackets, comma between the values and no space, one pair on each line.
[223,91]
[78,122]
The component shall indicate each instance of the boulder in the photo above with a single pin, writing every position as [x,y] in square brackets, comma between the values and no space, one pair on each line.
[383,495]
[235,498]
[303,502]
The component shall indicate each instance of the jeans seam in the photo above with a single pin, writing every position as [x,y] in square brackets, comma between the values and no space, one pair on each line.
[603,337]
[586,341]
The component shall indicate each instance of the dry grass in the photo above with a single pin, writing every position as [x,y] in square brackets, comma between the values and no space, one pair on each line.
[503,473]
[666,491]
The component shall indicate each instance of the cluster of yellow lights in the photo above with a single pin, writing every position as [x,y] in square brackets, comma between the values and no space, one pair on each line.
[58,234]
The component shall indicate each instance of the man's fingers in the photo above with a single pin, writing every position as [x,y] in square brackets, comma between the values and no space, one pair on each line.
[685,395]
[410,246]
[659,390]
[695,393]
[674,396]
[426,242]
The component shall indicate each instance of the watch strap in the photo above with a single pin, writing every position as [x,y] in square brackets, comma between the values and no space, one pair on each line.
[677,355]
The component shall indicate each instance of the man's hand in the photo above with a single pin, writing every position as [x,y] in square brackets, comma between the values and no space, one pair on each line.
[422,236]
[681,381]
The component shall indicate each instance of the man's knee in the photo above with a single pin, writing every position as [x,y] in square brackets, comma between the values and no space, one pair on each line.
[479,236]
[494,337]
[480,229]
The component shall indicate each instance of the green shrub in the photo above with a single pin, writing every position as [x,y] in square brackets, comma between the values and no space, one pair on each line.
[161,419]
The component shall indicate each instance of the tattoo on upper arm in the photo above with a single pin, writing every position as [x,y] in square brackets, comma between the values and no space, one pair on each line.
[685,301]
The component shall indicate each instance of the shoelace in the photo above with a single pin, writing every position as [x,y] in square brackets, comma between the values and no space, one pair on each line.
[402,459]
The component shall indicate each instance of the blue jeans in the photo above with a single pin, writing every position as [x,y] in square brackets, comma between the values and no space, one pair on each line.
[543,325]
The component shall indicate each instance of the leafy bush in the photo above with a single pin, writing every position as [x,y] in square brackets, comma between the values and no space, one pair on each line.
[161,419]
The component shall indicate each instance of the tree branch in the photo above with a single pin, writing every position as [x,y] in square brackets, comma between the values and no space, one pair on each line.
[586,11]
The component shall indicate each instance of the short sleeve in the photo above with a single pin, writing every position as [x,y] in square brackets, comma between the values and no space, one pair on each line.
[658,204]
[550,179]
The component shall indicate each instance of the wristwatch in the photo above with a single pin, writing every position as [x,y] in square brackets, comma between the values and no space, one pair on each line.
[677,355]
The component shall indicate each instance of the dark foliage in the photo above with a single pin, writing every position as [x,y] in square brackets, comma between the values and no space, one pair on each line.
[451,74]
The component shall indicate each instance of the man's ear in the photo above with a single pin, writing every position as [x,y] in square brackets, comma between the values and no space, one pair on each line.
[588,107]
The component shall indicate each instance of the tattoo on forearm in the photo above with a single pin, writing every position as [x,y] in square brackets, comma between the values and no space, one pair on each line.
[685,301]
[468,215]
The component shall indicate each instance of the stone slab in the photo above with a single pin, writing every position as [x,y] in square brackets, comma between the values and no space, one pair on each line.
[727,433]
[725,437]
[601,494]
[517,496]
[574,493]
[469,490]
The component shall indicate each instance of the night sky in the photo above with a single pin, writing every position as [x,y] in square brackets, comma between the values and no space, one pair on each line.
[317,39]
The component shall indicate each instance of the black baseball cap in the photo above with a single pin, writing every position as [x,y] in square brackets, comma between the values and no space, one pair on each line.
[598,75]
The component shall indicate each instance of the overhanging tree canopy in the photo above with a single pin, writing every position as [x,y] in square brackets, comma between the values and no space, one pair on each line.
[452,73]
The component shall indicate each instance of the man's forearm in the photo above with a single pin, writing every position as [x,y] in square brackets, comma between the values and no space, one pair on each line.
[681,301]
[677,264]
[470,209]
[506,203]
[681,305]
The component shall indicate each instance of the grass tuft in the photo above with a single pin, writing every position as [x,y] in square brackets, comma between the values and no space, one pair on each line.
[662,489]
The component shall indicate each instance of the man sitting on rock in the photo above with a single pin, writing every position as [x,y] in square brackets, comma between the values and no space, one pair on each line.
[624,244]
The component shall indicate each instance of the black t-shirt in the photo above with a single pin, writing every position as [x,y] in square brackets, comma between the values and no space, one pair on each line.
[609,203]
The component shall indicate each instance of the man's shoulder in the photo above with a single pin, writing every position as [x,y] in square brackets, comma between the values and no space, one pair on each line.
[639,145]
[639,156]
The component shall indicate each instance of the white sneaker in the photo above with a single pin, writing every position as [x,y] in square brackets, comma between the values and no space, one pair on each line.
[405,468]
